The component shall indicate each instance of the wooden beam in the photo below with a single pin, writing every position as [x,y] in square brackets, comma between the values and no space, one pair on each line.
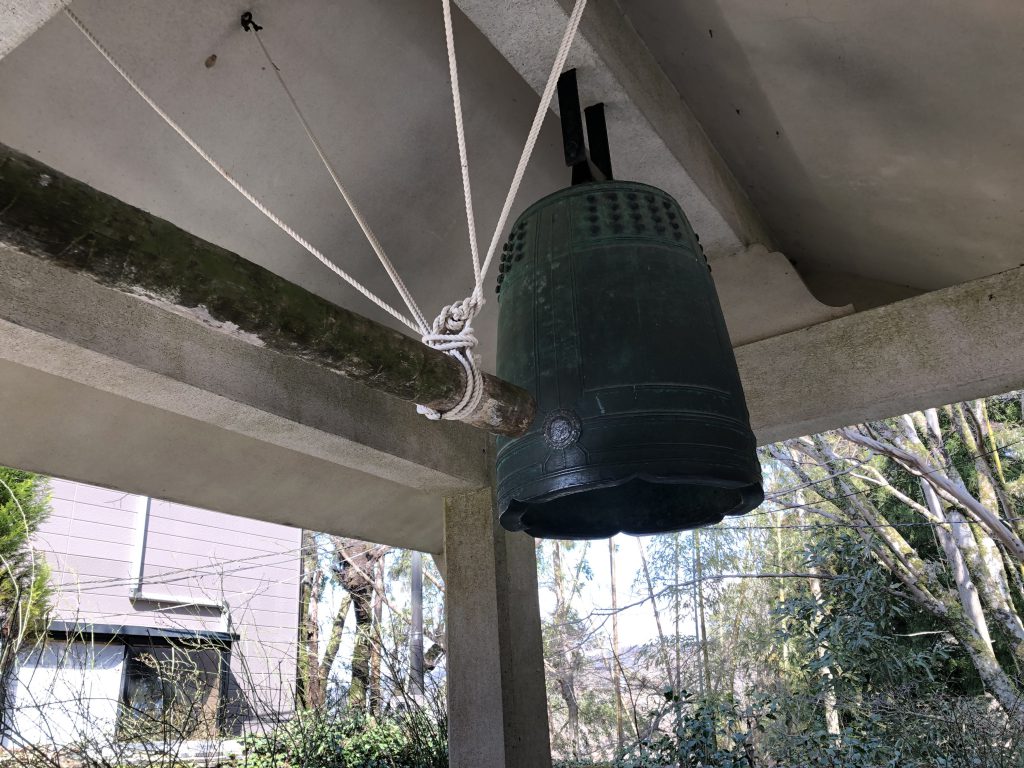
[68,223]
[958,343]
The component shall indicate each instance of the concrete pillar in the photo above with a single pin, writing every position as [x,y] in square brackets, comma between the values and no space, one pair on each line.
[497,707]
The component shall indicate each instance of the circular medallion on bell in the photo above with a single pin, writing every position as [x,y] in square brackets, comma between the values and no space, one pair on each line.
[561,428]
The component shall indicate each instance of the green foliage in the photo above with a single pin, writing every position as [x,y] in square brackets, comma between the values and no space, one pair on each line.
[889,732]
[706,732]
[874,639]
[844,638]
[24,591]
[320,739]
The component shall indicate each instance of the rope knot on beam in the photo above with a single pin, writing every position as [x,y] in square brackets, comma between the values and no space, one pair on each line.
[452,332]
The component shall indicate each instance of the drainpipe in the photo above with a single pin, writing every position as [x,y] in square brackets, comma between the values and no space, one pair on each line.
[136,592]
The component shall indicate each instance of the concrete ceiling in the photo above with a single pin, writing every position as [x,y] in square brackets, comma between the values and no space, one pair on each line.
[878,146]
[877,138]
[372,78]
[873,140]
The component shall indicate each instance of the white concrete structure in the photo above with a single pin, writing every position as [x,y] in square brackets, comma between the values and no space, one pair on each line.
[874,148]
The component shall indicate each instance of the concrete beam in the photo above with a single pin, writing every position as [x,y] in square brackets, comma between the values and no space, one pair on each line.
[942,347]
[98,386]
[654,136]
[20,18]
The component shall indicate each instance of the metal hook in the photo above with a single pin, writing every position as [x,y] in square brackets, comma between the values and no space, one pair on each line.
[247,22]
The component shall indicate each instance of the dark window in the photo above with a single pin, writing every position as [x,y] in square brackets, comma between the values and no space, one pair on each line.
[172,691]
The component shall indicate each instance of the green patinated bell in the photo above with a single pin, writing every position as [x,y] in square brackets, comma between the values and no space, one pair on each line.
[610,318]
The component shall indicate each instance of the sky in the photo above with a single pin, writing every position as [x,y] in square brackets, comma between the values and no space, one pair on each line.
[636,624]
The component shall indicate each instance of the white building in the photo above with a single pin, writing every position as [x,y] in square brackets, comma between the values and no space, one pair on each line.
[170,623]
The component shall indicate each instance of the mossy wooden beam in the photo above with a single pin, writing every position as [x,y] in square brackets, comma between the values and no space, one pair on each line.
[66,222]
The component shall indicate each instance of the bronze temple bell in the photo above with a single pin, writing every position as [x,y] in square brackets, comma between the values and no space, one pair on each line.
[609,316]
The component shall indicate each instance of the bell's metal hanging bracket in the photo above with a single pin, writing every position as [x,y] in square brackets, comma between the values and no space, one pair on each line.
[595,165]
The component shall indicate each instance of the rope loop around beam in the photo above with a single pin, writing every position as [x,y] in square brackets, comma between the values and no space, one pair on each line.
[452,329]
[452,332]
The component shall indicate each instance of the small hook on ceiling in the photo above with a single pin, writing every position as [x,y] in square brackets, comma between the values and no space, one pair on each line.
[247,22]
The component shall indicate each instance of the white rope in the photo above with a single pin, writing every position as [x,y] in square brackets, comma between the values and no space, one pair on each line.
[531,139]
[418,327]
[460,132]
[452,330]
[396,279]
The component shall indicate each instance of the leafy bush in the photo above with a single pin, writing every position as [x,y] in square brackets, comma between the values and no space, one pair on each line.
[891,731]
[702,732]
[317,739]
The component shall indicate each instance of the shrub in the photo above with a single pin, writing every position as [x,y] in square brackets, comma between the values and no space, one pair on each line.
[317,739]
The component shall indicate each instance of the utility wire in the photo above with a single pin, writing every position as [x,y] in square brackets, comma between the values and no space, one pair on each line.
[811,526]
[211,569]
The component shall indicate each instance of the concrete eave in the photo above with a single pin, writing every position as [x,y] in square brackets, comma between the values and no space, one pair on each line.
[654,136]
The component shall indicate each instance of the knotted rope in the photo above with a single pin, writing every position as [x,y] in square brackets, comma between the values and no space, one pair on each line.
[452,330]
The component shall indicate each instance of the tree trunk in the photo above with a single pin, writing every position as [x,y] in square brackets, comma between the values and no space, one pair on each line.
[677,681]
[982,552]
[334,643]
[310,692]
[945,486]
[567,687]
[377,642]
[996,681]
[615,648]
[359,689]
[829,702]
[563,663]
[964,614]
[700,611]
[355,564]
[657,614]
[416,630]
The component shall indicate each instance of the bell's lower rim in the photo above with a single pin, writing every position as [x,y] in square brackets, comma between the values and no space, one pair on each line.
[650,505]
